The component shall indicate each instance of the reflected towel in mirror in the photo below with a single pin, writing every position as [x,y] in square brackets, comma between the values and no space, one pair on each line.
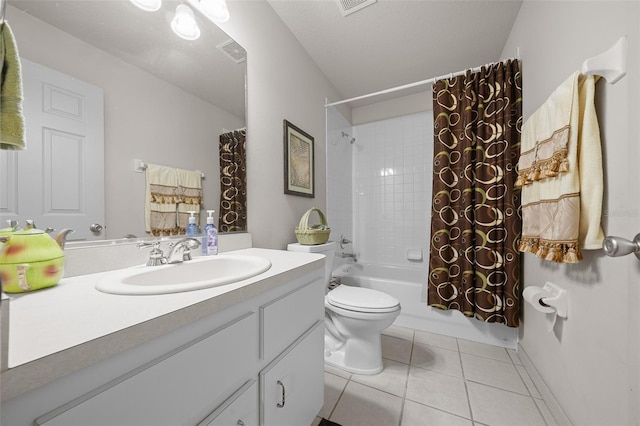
[189,195]
[161,200]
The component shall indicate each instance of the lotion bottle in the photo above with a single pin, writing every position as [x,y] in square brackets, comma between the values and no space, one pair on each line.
[192,228]
[210,238]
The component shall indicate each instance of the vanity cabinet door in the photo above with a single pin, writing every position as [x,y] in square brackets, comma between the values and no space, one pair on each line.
[241,409]
[292,386]
[179,388]
[284,319]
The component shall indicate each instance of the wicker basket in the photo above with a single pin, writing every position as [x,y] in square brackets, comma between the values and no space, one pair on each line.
[315,234]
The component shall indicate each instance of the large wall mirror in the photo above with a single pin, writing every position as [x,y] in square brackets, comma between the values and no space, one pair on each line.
[165,101]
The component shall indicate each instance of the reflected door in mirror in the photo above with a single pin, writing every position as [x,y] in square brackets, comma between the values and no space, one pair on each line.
[60,176]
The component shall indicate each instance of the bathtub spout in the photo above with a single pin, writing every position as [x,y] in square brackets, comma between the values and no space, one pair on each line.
[350,255]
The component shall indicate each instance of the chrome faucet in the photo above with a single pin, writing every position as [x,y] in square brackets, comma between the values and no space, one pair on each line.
[351,255]
[181,250]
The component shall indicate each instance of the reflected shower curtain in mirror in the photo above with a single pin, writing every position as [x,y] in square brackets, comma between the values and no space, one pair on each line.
[233,182]
[475,217]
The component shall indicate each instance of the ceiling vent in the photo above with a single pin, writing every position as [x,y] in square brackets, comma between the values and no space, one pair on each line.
[233,50]
[348,7]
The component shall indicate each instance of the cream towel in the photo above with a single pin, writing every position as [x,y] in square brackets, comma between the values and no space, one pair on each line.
[190,196]
[560,169]
[161,200]
[12,134]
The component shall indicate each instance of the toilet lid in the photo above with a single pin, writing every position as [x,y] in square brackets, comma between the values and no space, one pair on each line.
[362,299]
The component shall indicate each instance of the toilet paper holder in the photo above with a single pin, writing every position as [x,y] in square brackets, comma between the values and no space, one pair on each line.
[557,299]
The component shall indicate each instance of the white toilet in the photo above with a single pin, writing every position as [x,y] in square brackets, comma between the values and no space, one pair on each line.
[354,318]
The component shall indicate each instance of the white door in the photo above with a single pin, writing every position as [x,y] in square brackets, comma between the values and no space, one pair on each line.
[58,181]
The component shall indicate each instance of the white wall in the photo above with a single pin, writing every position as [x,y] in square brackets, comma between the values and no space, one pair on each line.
[590,361]
[283,83]
[182,133]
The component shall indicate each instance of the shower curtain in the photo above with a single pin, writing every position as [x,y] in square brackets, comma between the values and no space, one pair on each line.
[233,182]
[475,217]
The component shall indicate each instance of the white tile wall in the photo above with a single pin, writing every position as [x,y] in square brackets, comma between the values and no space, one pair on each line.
[392,188]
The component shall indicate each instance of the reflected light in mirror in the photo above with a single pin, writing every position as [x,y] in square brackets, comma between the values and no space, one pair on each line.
[216,10]
[184,23]
[148,5]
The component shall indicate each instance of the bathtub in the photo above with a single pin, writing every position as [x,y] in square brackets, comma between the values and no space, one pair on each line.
[408,285]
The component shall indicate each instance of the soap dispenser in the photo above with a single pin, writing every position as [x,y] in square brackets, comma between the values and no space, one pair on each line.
[210,238]
[192,228]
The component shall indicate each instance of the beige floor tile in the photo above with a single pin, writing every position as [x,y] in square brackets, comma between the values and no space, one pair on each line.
[392,379]
[513,354]
[494,373]
[337,371]
[333,387]
[546,413]
[436,359]
[433,339]
[483,350]
[399,332]
[497,407]
[415,414]
[361,405]
[437,390]
[528,382]
[396,349]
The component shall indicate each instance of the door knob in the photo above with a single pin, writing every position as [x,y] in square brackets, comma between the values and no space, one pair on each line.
[95,228]
[616,246]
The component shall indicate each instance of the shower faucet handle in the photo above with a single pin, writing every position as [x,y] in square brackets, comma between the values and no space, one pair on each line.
[344,241]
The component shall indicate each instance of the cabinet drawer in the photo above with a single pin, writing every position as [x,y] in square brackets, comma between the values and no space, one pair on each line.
[180,387]
[240,409]
[286,318]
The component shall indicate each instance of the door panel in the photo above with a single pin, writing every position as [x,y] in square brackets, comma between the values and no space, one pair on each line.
[58,181]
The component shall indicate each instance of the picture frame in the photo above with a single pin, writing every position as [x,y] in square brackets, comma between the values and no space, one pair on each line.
[299,170]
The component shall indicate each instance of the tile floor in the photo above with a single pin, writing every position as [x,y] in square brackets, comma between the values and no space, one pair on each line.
[431,379]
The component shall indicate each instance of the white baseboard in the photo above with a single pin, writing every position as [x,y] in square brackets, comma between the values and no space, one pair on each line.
[550,400]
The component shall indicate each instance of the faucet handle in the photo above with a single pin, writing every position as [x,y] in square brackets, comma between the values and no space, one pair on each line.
[156,256]
[344,241]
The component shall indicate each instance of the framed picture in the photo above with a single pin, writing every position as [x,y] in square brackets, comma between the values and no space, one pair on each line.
[299,172]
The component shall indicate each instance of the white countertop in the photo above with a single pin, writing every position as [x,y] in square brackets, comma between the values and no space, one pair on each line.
[55,331]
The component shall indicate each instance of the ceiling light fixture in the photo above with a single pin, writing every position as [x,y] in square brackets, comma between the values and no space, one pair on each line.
[216,10]
[148,5]
[184,23]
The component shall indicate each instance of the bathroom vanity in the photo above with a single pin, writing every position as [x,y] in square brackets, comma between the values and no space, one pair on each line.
[247,353]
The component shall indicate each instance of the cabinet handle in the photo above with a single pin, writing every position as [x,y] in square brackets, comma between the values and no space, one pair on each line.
[240,423]
[281,404]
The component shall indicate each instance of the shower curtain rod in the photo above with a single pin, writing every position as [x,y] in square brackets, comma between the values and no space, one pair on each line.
[417,83]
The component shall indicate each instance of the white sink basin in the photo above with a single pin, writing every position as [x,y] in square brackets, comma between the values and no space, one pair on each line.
[196,274]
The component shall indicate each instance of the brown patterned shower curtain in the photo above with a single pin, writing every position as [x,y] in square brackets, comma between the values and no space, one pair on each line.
[475,217]
[233,182]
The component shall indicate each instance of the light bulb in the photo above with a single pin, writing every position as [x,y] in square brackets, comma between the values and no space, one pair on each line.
[184,23]
[216,10]
[148,5]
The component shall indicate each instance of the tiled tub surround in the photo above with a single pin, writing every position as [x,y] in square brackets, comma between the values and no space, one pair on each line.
[57,331]
[382,185]
[432,379]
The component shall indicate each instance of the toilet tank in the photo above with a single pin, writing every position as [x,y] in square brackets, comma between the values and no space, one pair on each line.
[328,249]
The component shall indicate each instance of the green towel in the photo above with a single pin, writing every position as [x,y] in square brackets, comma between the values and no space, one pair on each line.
[11,117]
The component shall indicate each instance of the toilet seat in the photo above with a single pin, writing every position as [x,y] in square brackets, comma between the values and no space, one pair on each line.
[362,299]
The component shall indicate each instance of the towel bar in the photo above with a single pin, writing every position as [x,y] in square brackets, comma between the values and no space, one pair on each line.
[610,65]
[140,166]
